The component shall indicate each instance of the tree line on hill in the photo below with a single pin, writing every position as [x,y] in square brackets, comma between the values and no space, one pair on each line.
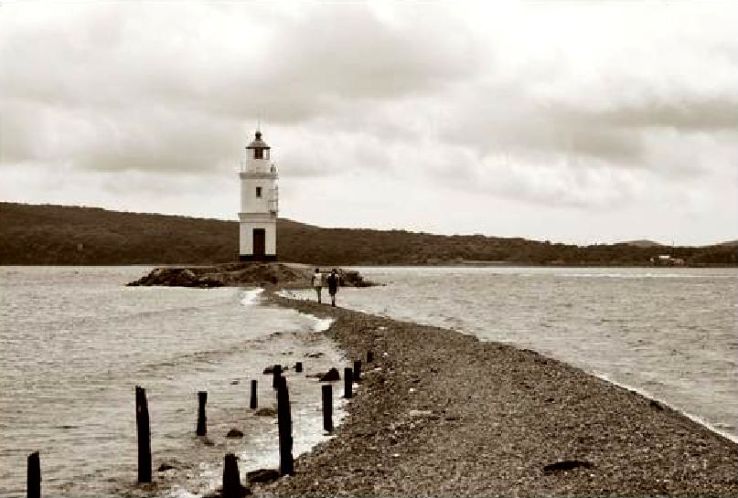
[66,235]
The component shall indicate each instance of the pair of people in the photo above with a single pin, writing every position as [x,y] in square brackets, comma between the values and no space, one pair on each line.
[331,280]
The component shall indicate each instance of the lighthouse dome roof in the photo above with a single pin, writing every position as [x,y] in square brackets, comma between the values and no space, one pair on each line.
[258,143]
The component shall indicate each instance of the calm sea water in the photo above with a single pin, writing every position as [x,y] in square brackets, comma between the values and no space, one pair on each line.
[75,341]
[671,333]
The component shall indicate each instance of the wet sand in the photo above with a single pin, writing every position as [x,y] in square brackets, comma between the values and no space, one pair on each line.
[439,413]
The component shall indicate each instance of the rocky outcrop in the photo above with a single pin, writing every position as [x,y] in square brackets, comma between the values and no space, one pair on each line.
[177,277]
[330,376]
[241,274]
[352,278]
[236,274]
[266,412]
[234,434]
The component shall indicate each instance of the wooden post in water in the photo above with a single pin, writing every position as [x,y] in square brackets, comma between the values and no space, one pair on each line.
[327,392]
[33,477]
[276,374]
[202,420]
[348,383]
[143,433]
[231,478]
[298,367]
[284,419]
[281,381]
[357,370]
[253,403]
[369,356]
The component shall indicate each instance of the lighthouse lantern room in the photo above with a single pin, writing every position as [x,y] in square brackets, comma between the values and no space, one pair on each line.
[259,204]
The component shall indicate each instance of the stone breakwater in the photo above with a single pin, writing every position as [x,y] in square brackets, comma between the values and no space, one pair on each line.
[242,274]
[441,414]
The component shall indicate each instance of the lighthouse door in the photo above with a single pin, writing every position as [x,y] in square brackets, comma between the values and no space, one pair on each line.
[259,242]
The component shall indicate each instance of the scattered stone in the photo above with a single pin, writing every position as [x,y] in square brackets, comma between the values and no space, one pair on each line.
[330,376]
[266,412]
[419,413]
[235,382]
[262,475]
[314,355]
[565,465]
[164,467]
[656,405]
[234,433]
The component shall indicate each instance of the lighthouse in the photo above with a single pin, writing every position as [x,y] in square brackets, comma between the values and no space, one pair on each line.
[259,204]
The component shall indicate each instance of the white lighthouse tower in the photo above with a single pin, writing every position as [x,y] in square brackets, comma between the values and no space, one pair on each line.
[259,202]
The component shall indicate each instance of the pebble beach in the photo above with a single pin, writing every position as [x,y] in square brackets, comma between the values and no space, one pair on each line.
[439,413]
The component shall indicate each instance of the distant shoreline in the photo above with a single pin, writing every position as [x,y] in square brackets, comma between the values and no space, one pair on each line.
[366,265]
[69,235]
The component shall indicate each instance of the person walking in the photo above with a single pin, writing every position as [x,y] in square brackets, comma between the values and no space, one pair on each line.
[332,281]
[318,282]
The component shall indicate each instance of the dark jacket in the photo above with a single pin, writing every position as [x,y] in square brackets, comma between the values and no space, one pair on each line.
[332,282]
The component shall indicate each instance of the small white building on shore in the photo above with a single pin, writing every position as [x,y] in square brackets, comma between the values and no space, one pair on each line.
[259,203]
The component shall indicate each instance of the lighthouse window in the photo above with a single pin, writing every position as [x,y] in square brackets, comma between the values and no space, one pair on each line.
[258,191]
[258,153]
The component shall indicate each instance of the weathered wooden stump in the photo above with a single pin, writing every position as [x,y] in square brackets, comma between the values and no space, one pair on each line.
[348,383]
[357,370]
[253,402]
[327,392]
[202,420]
[298,367]
[276,374]
[284,420]
[143,433]
[33,477]
[232,478]
[369,356]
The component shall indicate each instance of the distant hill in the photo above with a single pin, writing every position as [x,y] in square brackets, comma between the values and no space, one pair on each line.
[730,243]
[643,243]
[64,235]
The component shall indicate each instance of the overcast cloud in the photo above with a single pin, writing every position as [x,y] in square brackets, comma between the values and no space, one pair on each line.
[568,121]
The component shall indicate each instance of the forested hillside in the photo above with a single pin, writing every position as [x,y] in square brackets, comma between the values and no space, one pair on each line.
[63,235]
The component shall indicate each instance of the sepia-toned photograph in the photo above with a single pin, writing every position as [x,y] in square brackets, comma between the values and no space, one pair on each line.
[380,248]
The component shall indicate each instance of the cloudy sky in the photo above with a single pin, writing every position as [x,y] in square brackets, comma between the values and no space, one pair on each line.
[569,121]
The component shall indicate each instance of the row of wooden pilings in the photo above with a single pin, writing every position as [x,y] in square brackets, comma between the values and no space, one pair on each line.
[231,477]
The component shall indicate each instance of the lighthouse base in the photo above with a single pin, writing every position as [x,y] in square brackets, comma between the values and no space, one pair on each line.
[260,258]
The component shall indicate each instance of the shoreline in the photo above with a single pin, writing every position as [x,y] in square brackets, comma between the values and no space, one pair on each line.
[691,416]
[441,413]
